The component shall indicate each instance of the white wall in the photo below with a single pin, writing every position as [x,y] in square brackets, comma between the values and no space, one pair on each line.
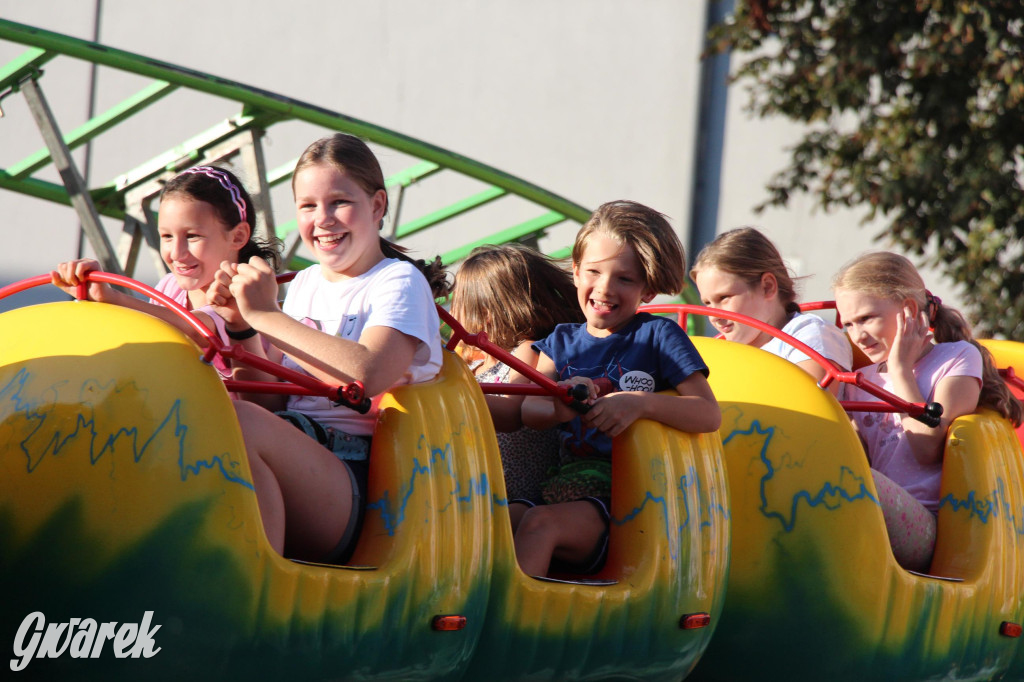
[592,99]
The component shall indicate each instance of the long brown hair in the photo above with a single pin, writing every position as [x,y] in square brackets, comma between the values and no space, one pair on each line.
[893,277]
[353,157]
[748,254]
[513,293]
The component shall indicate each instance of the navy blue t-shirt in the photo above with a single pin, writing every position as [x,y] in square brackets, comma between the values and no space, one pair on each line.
[649,354]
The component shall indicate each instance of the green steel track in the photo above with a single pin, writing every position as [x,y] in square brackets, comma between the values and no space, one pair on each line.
[127,196]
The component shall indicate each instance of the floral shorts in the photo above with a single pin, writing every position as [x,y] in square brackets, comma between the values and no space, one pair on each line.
[579,480]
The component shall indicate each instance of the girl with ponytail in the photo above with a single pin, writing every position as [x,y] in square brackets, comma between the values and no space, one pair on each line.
[365,313]
[741,271]
[923,351]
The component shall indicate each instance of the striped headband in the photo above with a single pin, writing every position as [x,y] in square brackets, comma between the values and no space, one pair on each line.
[225,182]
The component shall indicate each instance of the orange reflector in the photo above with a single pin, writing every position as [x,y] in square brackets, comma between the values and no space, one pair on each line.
[448,623]
[692,621]
[1010,629]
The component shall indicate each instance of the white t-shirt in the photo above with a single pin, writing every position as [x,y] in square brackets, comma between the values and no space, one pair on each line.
[393,294]
[821,336]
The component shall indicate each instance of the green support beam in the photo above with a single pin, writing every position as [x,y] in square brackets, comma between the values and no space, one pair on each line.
[96,126]
[28,62]
[285,107]
[449,212]
[530,227]
[412,174]
[259,110]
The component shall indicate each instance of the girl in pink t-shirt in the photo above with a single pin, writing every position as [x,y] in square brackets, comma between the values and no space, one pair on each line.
[206,218]
[923,352]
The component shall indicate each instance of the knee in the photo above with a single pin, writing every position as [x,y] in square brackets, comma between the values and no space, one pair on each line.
[538,520]
[249,414]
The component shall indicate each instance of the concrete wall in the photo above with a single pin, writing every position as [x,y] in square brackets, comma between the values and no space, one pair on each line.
[592,99]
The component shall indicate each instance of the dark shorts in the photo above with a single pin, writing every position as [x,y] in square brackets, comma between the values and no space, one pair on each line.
[596,559]
[354,452]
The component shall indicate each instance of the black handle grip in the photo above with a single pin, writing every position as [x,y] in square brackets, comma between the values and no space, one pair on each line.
[352,396]
[579,394]
[932,415]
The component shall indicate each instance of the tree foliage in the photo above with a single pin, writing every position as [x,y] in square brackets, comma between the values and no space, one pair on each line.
[914,109]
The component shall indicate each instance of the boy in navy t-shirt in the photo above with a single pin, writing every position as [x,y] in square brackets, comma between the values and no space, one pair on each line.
[624,255]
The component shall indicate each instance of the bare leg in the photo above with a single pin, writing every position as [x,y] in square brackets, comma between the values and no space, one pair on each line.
[303,490]
[269,499]
[568,531]
[515,514]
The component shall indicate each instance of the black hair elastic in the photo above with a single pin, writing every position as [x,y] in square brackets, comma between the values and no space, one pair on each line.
[241,335]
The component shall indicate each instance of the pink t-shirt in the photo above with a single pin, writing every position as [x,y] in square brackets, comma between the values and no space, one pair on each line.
[888,450]
[168,286]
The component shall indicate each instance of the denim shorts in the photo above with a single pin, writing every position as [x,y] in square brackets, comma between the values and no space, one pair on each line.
[354,453]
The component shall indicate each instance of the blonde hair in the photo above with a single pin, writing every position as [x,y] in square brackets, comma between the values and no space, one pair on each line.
[748,254]
[648,233]
[513,293]
[892,277]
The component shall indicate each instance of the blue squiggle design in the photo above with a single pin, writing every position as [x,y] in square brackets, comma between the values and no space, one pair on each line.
[393,516]
[983,508]
[673,544]
[707,507]
[438,462]
[986,507]
[87,425]
[830,496]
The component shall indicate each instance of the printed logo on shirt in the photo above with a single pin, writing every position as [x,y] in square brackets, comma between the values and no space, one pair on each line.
[348,324]
[636,381]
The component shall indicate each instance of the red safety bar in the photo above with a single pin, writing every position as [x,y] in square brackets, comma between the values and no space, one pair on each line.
[352,395]
[821,305]
[927,413]
[1011,378]
[570,395]
[295,383]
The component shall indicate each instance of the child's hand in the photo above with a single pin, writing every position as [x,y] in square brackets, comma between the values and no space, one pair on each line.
[70,274]
[912,335]
[613,413]
[562,410]
[254,287]
[218,295]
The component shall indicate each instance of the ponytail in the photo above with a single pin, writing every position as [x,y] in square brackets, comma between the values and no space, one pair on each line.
[437,276]
[949,325]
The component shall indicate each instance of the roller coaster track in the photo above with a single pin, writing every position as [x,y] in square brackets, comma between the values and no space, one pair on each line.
[237,139]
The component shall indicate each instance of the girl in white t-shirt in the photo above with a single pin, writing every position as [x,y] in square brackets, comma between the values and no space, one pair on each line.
[741,271]
[923,352]
[363,313]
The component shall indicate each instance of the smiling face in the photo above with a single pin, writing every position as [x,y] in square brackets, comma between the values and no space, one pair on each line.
[730,292]
[338,220]
[610,284]
[870,321]
[194,241]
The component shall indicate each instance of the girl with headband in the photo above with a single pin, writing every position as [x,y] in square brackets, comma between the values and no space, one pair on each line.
[923,351]
[206,218]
